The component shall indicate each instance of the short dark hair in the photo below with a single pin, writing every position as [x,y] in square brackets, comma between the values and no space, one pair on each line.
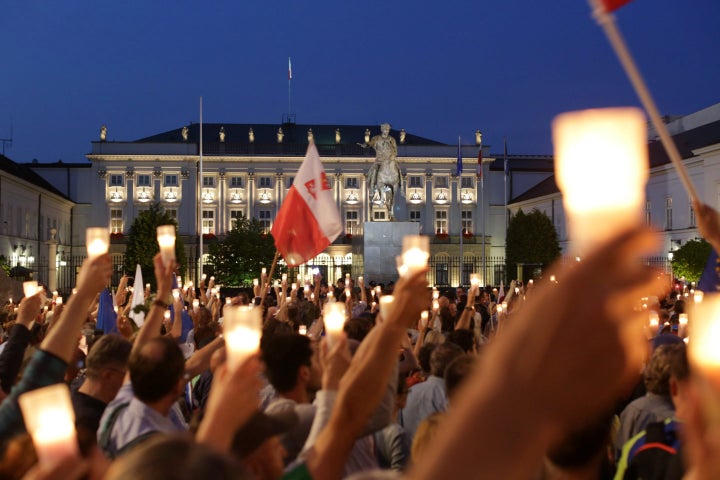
[111,350]
[357,328]
[441,357]
[456,373]
[155,368]
[424,355]
[284,354]
[463,338]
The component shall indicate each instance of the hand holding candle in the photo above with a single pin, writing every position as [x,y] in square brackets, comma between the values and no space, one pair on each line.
[416,252]
[242,328]
[334,319]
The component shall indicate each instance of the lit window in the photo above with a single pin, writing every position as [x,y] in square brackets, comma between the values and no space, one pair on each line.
[441,182]
[441,221]
[208,222]
[116,221]
[466,221]
[351,222]
[265,217]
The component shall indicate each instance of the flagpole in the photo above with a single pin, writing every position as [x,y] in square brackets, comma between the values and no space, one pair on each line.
[459,174]
[289,81]
[607,22]
[266,284]
[505,175]
[199,208]
[482,203]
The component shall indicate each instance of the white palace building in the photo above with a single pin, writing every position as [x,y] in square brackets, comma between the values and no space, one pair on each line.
[248,169]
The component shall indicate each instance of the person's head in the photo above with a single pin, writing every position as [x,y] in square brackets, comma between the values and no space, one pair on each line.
[463,338]
[385,129]
[424,356]
[289,363]
[459,292]
[679,376]
[76,364]
[257,444]
[456,373]
[657,372]
[585,444]
[107,361]
[175,457]
[157,370]
[441,357]
[447,319]
[357,328]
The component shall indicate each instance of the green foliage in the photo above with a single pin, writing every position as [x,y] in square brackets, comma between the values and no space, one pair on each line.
[5,265]
[142,243]
[690,259]
[241,255]
[531,239]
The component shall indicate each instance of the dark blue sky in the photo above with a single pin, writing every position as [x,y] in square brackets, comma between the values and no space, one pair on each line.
[437,69]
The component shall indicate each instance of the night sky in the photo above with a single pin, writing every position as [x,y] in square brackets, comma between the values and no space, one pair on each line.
[436,69]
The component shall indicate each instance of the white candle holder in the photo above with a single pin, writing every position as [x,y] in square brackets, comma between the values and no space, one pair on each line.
[334,315]
[416,252]
[386,307]
[97,240]
[166,241]
[302,329]
[50,420]
[596,150]
[242,329]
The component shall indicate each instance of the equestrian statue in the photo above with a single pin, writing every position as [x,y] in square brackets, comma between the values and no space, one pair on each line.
[384,176]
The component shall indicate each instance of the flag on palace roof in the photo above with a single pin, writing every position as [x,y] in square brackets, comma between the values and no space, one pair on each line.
[309,219]
[459,165]
[612,5]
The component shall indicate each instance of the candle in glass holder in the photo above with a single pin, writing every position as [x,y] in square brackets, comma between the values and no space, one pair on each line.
[436,294]
[682,324]
[653,322]
[166,240]
[242,327]
[50,420]
[147,286]
[97,240]
[704,355]
[30,288]
[59,300]
[203,277]
[302,329]
[360,279]
[284,277]
[594,149]
[474,279]
[293,286]
[386,306]
[196,304]
[256,282]
[263,271]
[334,320]
[415,253]
[212,279]
[176,294]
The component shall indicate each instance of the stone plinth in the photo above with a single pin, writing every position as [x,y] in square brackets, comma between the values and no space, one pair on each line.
[374,252]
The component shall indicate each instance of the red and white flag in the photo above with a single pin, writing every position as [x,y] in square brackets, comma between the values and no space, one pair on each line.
[309,219]
[612,5]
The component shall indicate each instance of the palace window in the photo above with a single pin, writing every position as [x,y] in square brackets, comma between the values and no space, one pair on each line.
[441,182]
[237,182]
[208,182]
[416,182]
[351,222]
[265,217]
[466,221]
[441,221]
[351,182]
[415,216]
[143,180]
[171,181]
[208,222]
[117,180]
[467,182]
[116,220]
[265,182]
[668,213]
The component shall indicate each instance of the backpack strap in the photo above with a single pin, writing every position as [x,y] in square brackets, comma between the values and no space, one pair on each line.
[104,440]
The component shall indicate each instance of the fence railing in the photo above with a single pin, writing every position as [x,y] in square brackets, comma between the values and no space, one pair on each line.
[444,270]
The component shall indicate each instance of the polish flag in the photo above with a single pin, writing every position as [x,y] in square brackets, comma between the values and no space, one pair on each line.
[309,219]
[612,5]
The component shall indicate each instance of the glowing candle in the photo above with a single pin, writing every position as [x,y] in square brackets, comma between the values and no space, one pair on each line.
[256,282]
[115,308]
[386,307]
[212,279]
[347,293]
[54,294]
[166,240]
[166,314]
[263,272]
[360,279]
[302,329]
[591,148]
[330,296]
[416,251]
[50,419]
[203,276]
[424,316]
[347,277]
[378,291]
[242,328]
[30,288]
[474,279]
[284,277]
[179,281]
[147,286]
[653,322]
[552,278]
[436,294]
[683,323]
[334,320]
[58,300]
[228,301]
[436,305]
[293,286]
[176,294]
[196,304]
[97,240]
[698,296]
[499,310]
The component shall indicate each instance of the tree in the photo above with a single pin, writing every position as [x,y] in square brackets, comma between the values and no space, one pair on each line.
[689,260]
[142,243]
[241,255]
[531,239]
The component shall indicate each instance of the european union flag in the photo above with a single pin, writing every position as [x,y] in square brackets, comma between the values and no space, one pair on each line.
[459,165]
[709,279]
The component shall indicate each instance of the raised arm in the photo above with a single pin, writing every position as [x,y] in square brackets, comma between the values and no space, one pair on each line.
[154,319]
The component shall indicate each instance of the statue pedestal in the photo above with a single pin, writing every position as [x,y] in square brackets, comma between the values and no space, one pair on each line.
[374,252]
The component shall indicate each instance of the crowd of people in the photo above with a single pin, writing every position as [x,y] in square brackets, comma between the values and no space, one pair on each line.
[561,378]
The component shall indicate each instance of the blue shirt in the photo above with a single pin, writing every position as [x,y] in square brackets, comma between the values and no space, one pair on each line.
[423,400]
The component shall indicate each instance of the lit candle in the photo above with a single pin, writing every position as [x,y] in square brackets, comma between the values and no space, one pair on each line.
[424,316]
[386,307]
[196,304]
[115,308]
[360,279]
[54,294]
[436,294]
[212,279]
[30,288]
[653,322]
[166,314]
[698,296]
[256,282]
[228,301]
[293,286]
[474,279]
[147,286]
[263,271]
[97,240]
[58,300]
[347,293]
[284,277]
[504,306]
[176,294]
[499,310]
[179,281]
[552,278]
[330,296]
[242,327]
[306,289]
[683,323]
[203,277]
[302,329]
[347,277]
[416,251]
[74,290]
[166,240]
[50,419]
[436,306]
[378,291]
[594,149]
[334,320]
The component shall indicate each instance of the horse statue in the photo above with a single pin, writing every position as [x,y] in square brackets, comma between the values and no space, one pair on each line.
[384,177]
